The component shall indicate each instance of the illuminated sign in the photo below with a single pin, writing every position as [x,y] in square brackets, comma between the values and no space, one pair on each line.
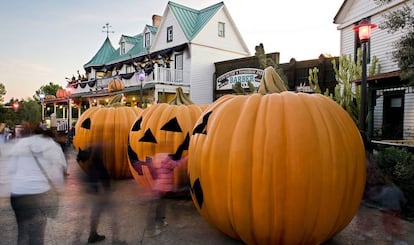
[242,76]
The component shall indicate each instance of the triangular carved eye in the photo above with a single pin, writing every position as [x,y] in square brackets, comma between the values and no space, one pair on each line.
[86,124]
[202,127]
[172,125]
[137,125]
[148,137]
[197,190]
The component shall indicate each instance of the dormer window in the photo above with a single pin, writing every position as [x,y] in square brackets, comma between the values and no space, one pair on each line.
[169,34]
[147,39]
[221,29]
[123,48]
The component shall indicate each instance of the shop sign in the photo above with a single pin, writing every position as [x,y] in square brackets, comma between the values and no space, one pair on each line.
[243,76]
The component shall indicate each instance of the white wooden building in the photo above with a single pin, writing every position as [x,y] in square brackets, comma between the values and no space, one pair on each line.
[392,107]
[178,49]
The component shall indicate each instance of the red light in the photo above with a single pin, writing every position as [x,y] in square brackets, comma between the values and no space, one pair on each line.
[364,30]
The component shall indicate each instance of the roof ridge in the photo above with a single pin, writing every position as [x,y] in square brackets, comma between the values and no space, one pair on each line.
[191,20]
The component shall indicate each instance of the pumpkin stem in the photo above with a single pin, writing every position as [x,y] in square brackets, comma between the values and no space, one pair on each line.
[116,100]
[271,82]
[180,98]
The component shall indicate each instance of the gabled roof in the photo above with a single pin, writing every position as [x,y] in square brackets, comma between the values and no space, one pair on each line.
[191,20]
[104,54]
[129,39]
[136,51]
[152,29]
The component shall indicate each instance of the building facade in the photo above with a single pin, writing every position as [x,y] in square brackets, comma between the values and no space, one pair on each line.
[391,100]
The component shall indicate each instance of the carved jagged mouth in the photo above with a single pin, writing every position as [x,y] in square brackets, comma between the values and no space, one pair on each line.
[137,164]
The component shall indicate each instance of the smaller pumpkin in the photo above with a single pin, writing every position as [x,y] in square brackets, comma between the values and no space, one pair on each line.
[62,93]
[116,85]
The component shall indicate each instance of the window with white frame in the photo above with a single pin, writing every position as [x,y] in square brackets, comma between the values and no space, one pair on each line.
[221,29]
[169,34]
[179,66]
[147,39]
[123,48]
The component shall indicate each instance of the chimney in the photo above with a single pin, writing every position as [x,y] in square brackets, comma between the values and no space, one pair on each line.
[156,20]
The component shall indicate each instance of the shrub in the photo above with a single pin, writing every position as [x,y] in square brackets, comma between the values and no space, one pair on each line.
[398,164]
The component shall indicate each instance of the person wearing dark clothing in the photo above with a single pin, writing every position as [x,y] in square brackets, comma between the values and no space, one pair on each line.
[98,184]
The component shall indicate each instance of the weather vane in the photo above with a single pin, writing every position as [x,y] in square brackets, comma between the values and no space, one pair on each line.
[106,29]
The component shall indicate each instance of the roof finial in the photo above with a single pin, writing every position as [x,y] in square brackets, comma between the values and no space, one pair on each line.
[106,29]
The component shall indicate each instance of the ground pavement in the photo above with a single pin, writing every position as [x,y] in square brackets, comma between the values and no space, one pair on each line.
[128,217]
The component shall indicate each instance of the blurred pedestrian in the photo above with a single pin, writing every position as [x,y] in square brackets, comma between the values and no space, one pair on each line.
[34,163]
[99,188]
[164,166]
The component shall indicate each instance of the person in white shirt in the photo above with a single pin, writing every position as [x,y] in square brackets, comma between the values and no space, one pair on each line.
[27,184]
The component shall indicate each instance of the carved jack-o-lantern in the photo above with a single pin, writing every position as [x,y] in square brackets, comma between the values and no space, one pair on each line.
[278,168]
[108,127]
[162,128]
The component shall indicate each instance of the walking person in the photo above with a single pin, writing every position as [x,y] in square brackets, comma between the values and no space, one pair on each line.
[164,166]
[34,163]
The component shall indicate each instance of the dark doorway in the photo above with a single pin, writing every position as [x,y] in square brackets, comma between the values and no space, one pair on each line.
[393,119]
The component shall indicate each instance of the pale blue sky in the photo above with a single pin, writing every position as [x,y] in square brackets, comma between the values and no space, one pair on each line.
[45,41]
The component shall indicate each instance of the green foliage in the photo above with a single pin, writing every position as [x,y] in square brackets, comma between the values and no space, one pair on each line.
[398,164]
[346,93]
[391,158]
[265,62]
[314,80]
[49,89]
[401,20]
[3,92]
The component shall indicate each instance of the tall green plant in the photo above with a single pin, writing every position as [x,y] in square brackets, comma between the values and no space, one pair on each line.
[346,93]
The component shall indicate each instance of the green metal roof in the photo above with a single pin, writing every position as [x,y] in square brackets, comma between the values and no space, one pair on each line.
[104,54]
[191,20]
[136,51]
[152,29]
[129,39]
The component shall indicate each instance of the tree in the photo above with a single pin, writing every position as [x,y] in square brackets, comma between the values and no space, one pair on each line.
[3,92]
[401,20]
[49,89]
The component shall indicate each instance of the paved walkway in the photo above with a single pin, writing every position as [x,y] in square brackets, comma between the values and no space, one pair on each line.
[131,207]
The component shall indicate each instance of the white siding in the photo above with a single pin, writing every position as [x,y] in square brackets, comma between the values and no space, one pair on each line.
[160,41]
[202,71]
[378,113]
[409,116]
[208,36]
[382,42]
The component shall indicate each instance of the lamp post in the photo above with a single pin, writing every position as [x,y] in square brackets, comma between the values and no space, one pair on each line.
[141,78]
[364,33]
[68,94]
[42,98]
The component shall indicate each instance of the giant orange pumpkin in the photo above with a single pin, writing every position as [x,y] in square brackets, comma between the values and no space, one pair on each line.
[162,128]
[281,168]
[108,127]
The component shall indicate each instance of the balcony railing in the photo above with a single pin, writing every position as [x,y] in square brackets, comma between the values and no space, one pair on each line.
[160,75]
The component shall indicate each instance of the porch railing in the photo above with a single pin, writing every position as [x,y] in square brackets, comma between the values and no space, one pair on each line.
[159,75]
